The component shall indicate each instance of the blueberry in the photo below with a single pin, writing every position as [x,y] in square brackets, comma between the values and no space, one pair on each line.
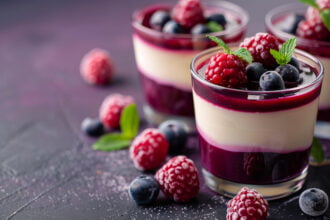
[159,19]
[288,72]
[290,24]
[143,190]
[254,71]
[172,27]
[271,80]
[294,62]
[176,134]
[200,29]
[314,202]
[219,18]
[92,127]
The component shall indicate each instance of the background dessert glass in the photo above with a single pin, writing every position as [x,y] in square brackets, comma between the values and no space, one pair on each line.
[259,139]
[321,50]
[163,60]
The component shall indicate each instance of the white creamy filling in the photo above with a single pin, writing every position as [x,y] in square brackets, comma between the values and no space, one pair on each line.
[325,92]
[170,67]
[280,131]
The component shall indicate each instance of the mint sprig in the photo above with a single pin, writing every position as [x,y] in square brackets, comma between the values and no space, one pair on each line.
[283,56]
[242,53]
[214,26]
[317,151]
[129,126]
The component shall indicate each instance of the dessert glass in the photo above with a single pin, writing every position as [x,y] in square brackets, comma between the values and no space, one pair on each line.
[258,139]
[163,60]
[321,50]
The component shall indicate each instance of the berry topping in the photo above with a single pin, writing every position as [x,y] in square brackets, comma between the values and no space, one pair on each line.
[149,149]
[111,108]
[259,46]
[96,67]
[159,19]
[218,18]
[254,71]
[314,202]
[294,62]
[291,23]
[172,27]
[143,190]
[200,29]
[288,72]
[271,80]
[178,179]
[92,127]
[175,133]
[313,29]
[248,204]
[188,13]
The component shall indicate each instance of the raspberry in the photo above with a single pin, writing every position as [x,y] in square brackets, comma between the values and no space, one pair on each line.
[111,109]
[323,4]
[188,13]
[313,29]
[96,67]
[148,150]
[248,204]
[313,13]
[259,47]
[178,179]
[227,70]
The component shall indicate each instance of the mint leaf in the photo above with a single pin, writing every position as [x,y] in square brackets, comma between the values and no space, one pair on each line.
[220,43]
[129,121]
[310,3]
[283,56]
[244,54]
[317,151]
[112,142]
[325,16]
[214,26]
[277,56]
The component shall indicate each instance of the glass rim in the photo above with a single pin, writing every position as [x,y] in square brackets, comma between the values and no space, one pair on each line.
[318,79]
[283,35]
[244,16]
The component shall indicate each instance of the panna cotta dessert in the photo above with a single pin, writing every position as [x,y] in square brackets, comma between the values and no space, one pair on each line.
[166,38]
[255,111]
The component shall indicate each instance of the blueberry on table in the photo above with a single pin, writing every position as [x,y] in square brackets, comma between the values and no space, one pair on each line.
[219,18]
[92,127]
[200,29]
[288,72]
[294,62]
[176,134]
[314,202]
[172,27]
[291,23]
[144,190]
[254,71]
[271,80]
[159,19]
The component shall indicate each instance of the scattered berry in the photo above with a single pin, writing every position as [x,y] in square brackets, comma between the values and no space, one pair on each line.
[254,71]
[291,23]
[175,133]
[200,29]
[219,18]
[248,204]
[159,19]
[172,27]
[178,179]
[188,13]
[144,190]
[111,109]
[271,80]
[313,29]
[149,149]
[92,127]
[294,62]
[96,67]
[288,72]
[314,202]
[259,47]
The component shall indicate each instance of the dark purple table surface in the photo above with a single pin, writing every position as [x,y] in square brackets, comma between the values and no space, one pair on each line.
[47,167]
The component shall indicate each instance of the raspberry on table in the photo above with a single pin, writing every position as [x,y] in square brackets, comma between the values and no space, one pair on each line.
[149,149]
[259,47]
[313,29]
[178,179]
[188,13]
[111,108]
[96,67]
[248,204]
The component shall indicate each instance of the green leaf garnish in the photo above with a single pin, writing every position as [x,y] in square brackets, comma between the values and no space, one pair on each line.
[220,43]
[325,16]
[111,142]
[317,151]
[310,3]
[129,121]
[283,56]
[214,26]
